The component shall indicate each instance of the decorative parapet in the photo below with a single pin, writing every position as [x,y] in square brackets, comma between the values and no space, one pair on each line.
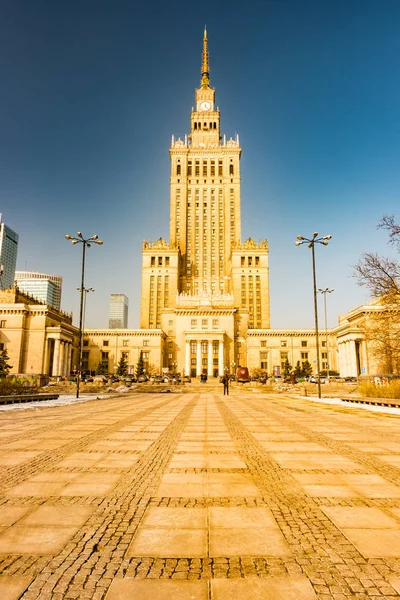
[159,244]
[204,299]
[250,244]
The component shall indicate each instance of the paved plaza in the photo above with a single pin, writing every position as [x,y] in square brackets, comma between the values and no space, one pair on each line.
[199,497]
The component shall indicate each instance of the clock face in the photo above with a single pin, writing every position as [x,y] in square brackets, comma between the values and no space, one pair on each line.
[205,105]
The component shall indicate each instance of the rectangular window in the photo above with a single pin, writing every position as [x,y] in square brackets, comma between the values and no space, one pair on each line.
[263,355]
[86,342]
[2,324]
[284,343]
[204,347]
[125,342]
[145,342]
[193,361]
[197,168]
[263,343]
[193,348]
[189,169]
[323,344]
[304,343]
[167,261]
[304,355]
[105,342]
[104,356]
[215,323]
[220,168]
[170,355]
[204,323]
[324,355]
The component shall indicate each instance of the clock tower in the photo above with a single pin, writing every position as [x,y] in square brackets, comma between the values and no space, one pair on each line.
[205,288]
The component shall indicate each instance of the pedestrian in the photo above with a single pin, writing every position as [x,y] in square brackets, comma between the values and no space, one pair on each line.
[225,381]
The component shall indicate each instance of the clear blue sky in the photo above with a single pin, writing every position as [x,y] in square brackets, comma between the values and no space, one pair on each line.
[93,90]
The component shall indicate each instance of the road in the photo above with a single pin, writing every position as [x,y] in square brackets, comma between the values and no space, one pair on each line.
[199,497]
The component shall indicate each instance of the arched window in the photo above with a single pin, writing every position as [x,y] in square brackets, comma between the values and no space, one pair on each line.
[195,125]
[178,169]
[230,169]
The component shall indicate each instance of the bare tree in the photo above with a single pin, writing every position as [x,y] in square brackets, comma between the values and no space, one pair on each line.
[379,274]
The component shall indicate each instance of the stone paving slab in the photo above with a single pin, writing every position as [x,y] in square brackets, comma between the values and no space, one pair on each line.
[197,496]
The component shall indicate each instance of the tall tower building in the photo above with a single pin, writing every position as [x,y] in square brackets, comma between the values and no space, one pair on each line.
[44,287]
[8,255]
[205,288]
[118,317]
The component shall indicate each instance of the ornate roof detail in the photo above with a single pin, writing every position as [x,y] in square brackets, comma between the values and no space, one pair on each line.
[249,244]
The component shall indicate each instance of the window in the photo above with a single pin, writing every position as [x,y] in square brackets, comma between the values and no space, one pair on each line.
[204,347]
[160,261]
[105,342]
[242,261]
[323,344]
[230,169]
[193,348]
[153,261]
[86,342]
[125,342]
[263,343]
[178,169]
[125,355]
[304,355]
[1,347]
[167,261]
[284,343]
[193,323]
[189,169]
[170,344]
[263,355]
[304,343]
[204,323]
[324,355]
[145,342]
[215,323]
[170,355]
[220,168]
[104,356]
[193,361]
[2,324]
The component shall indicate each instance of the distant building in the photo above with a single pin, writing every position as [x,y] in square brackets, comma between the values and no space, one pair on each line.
[8,255]
[42,286]
[118,317]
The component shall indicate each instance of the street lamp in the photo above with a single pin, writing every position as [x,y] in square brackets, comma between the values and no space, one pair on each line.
[85,243]
[325,292]
[311,243]
[85,293]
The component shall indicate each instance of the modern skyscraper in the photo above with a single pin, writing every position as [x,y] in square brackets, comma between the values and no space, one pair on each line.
[8,255]
[205,288]
[118,318]
[44,287]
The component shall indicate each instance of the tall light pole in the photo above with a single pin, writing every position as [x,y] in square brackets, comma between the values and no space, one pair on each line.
[311,244]
[325,292]
[85,293]
[85,243]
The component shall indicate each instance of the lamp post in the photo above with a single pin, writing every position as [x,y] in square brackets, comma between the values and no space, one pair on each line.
[85,293]
[86,243]
[324,293]
[311,244]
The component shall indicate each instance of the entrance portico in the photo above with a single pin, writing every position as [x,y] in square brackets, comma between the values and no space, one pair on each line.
[204,353]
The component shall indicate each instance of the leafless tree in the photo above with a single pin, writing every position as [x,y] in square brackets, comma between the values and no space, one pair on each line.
[381,275]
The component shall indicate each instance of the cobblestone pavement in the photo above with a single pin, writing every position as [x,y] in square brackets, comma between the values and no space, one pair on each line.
[199,497]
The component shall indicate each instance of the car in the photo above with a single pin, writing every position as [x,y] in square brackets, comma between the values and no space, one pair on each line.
[99,379]
[278,379]
[142,378]
[187,379]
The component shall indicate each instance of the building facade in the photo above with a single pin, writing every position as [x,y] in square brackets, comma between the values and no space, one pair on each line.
[205,288]
[46,288]
[38,338]
[8,255]
[118,316]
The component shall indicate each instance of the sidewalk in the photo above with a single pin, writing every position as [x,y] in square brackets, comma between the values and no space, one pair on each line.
[200,497]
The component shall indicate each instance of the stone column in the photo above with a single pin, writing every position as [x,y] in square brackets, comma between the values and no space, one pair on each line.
[56,358]
[45,363]
[221,358]
[341,359]
[66,369]
[187,359]
[210,371]
[198,359]
[353,358]
[68,361]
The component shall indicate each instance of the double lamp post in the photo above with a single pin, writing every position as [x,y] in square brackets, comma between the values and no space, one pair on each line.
[86,243]
[311,244]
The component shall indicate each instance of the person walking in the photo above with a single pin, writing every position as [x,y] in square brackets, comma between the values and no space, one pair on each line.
[225,381]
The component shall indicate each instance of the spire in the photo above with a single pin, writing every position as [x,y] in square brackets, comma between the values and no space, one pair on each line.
[205,68]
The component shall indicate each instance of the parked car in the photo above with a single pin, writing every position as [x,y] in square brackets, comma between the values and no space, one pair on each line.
[142,378]
[99,379]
